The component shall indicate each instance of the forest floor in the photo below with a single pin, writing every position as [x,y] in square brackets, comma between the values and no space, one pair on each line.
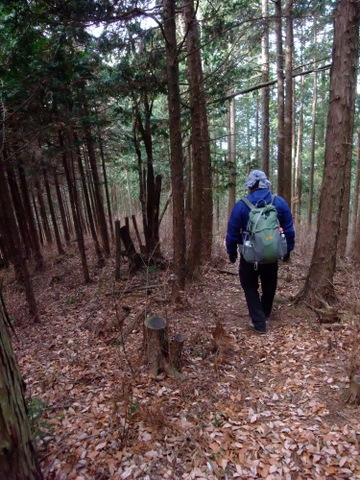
[267,407]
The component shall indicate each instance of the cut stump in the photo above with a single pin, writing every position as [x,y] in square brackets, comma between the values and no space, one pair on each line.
[155,344]
[176,348]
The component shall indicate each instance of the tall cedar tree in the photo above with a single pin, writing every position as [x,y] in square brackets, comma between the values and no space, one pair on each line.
[201,224]
[17,455]
[319,286]
[176,150]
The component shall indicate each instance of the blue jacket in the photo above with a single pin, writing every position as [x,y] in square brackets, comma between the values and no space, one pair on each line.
[240,216]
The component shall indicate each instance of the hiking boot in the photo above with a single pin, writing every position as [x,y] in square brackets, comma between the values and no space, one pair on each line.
[257,330]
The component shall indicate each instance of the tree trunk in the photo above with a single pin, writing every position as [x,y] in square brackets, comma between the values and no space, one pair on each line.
[151,194]
[10,232]
[74,204]
[288,119]
[355,245]
[176,150]
[280,101]
[298,159]
[52,214]
[231,154]
[98,252]
[265,92]
[18,207]
[61,208]
[313,137]
[34,235]
[17,455]
[201,219]
[345,211]
[355,253]
[319,286]
[100,212]
[106,183]
[43,213]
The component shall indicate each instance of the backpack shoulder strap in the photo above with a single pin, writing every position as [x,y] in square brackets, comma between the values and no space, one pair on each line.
[248,203]
[272,199]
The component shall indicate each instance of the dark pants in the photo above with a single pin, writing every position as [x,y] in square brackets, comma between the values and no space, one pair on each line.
[259,307]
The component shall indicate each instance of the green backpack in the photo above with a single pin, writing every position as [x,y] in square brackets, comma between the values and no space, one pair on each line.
[263,241]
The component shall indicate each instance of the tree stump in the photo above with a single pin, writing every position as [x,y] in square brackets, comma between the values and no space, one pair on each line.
[353,395]
[155,343]
[176,348]
[135,260]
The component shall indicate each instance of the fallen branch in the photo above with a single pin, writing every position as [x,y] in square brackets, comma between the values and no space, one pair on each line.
[137,288]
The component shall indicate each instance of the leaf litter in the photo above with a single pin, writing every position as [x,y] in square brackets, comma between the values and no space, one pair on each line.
[245,407]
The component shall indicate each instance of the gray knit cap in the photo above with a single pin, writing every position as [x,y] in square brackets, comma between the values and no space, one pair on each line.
[257,176]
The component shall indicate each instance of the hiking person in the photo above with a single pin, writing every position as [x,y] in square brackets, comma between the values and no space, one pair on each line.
[259,195]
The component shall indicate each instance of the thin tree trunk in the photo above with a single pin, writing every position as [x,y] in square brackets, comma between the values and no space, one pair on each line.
[298,158]
[74,204]
[61,208]
[43,213]
[88,207]
[100,212]
[37,216]
[231,154]
[106,184]
[35,240]
[18,207]
[265,92]
[281,104]
[153,184]
[52,214]
[12,239]
[288,119]
[345,212]
[313,137]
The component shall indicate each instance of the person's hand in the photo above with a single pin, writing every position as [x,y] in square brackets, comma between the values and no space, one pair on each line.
[232,257]
[286,257]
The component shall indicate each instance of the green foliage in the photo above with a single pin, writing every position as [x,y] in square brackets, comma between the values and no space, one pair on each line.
[40,428]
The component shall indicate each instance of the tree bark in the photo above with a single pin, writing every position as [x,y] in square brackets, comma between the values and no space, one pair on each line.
[151,194]
[12,240]
[313,138]
[288,118]
[61,251]
[202,214]
[280,100]
[156,345]
[231,154]
[17,455]
[24,187]
[18,207]
[61,208]
[97,248]
[43,213]
[106,183]
[355,244]
[319,286]
[75,206]
[176,149]
[298,159]
[265,92]
[100,212]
